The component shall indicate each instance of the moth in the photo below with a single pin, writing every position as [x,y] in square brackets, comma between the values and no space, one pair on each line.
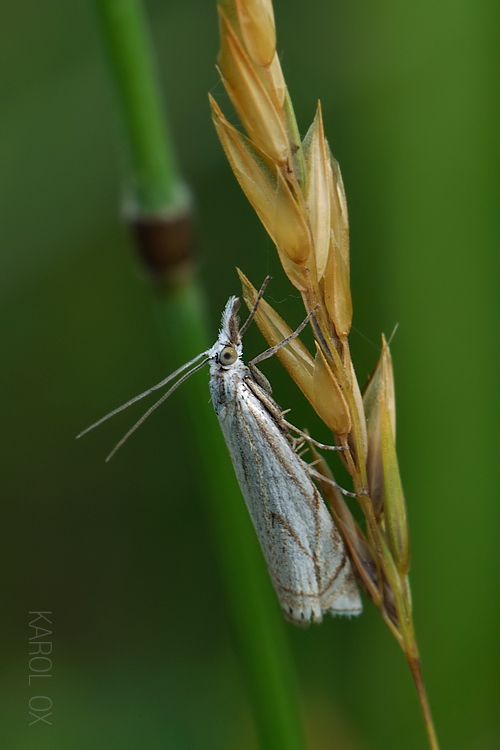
[303,549]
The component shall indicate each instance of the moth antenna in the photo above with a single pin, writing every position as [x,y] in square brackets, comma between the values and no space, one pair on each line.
[146,393]
[155,406]
[247,322]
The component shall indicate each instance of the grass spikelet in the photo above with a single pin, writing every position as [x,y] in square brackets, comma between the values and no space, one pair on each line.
[297,191]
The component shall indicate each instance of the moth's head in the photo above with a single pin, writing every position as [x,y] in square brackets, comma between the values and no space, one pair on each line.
[228,349]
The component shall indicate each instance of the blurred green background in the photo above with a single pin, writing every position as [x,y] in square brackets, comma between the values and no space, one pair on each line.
[143,650]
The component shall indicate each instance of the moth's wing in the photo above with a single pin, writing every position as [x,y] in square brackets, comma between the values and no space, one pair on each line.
[339,593]
[303,549]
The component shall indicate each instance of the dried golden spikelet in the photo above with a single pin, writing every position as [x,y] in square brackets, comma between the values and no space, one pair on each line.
[249,96]
[329,401]
[383,471]
[254,174]
[359,407]
[378,384]
[394,501]
[256,18]
[268,193]
[337,283]
[291,230]
[318,180]
[297,274]
[276,81]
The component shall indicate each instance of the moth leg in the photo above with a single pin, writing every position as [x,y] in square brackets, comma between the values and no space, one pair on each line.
[298,444]
[260,379]
[267,402]
[321,478]
[311,440]
[273,349]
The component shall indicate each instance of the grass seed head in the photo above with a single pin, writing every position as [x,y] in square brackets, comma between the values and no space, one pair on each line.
[297,191]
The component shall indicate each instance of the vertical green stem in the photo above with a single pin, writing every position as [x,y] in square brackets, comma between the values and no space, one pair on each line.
[157,182]
[158,189]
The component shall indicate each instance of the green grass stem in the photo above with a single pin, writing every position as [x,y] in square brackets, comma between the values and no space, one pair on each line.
[157,184]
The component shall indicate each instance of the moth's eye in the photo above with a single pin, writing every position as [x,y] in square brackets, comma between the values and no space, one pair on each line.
[228,355]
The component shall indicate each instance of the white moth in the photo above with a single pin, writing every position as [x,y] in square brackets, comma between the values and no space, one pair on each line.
[302,547]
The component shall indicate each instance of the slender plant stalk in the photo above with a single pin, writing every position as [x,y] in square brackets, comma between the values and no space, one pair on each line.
[159,197]
[416,670]
[157,183]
